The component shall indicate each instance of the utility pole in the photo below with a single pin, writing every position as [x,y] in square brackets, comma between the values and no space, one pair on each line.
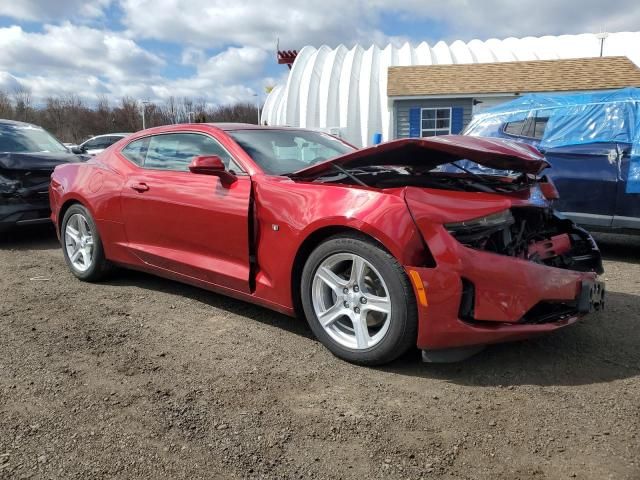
[257,106]
[144,110]
[602,36]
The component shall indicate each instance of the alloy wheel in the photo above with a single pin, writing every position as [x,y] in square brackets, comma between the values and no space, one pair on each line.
[78,239]
[351,301]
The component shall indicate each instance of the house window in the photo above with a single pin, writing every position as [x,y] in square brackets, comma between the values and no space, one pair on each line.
[436,121]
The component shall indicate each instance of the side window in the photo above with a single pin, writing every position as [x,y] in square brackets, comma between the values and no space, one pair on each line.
[514,128]
[163,153]
[95,143]
[192,145]
[137,151]
[176,150]
[532,127]
[110,141]
[540,126]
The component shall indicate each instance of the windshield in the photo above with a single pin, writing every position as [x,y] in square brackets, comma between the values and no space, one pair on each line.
[28,139]
[279,152]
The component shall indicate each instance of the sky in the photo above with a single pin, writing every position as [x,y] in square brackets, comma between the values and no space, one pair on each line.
[224,51]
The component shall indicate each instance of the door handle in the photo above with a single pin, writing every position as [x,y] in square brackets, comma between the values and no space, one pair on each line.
[140,187]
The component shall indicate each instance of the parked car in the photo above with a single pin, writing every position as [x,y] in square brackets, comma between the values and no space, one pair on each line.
[591,140]
[375,247]
[28,155]
[97,144]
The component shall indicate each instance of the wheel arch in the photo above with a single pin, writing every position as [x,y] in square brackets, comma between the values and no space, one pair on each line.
[66,204]
[63,210]
[312,240]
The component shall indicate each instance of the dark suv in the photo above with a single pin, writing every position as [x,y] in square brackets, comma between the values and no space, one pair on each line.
[28,155]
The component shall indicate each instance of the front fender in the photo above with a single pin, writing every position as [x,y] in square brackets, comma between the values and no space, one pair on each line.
[289,213]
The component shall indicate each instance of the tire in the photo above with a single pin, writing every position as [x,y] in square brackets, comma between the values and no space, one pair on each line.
[78,219]
[362,332]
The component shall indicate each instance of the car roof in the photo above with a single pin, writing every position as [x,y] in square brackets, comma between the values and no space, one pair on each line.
[16,123]
[227,127]
[114,134]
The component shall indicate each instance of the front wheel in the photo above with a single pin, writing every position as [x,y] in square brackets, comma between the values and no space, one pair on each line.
[82,246]
[358,301]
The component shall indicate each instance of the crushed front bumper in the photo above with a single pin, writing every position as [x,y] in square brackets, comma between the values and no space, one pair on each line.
[475,297]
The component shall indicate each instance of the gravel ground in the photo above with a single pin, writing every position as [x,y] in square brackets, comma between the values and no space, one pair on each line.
[141,377]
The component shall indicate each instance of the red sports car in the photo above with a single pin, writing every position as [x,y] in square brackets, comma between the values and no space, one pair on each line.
[381,249]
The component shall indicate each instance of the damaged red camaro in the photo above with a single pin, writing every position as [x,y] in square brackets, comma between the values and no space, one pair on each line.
[381,249]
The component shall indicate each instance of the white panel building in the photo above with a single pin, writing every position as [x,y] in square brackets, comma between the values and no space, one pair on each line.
[345,91]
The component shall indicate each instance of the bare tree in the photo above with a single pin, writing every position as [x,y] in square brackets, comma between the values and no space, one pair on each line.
[23,110]
[127,115]
[171,110]
[6,108]
[72,120]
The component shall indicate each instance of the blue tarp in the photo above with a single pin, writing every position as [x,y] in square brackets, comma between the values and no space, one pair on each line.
[574,119]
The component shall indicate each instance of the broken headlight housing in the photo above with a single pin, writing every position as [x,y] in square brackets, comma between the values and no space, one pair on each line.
[8,186]
[476,228]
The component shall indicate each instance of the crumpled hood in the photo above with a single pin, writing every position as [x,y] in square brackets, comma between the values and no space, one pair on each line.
[36,161]
[429,153]
[444,206]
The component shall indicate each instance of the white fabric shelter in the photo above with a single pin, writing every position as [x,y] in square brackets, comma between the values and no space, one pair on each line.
[345,90]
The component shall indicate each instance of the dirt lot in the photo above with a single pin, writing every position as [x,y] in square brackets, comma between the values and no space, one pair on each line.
[146,378]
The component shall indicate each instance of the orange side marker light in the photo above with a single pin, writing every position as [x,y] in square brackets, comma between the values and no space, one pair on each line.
[417,282]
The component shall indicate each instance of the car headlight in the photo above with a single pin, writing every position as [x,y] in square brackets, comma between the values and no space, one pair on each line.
[469,230]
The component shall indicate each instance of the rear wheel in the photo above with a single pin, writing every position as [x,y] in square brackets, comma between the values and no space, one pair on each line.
[358,301]
[82,246]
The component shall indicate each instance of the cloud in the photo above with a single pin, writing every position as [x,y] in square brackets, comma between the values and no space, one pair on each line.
[234,64]
[9,83]
[49,10]
[68,59]
[227,77]
[227,48]
[77,50]
[213,23]
[503,18]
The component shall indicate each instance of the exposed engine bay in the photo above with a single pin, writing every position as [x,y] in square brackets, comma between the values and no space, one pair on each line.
[408,176]
[536,234]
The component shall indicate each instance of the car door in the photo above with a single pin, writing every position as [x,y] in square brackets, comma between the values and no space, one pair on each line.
[585,175]
[627,214]
[587,179]
[190,224]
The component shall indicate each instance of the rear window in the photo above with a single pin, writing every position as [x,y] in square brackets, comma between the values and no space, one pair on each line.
[137,151]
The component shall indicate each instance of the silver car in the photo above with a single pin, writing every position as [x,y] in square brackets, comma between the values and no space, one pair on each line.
[97,144]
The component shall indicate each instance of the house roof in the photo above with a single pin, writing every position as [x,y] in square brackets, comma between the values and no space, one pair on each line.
[598,73]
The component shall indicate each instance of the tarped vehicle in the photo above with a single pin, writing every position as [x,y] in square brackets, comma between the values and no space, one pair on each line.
[377,248]
[28,155]
[591,140]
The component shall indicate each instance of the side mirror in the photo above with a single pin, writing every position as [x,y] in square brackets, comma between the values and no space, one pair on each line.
[78,150]
[211,165]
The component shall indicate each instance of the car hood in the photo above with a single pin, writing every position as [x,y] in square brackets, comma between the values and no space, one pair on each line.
[36,161]
[433,152]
